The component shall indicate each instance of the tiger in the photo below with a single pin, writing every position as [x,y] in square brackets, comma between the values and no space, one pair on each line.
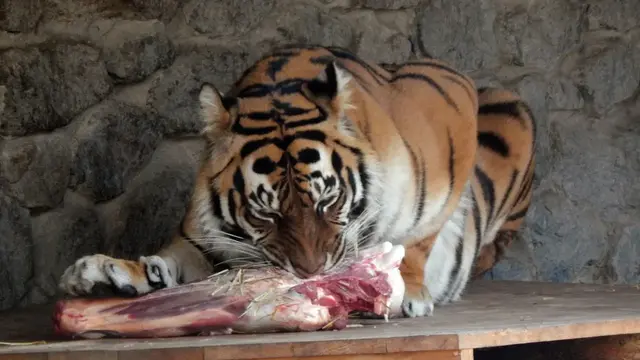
[315,154]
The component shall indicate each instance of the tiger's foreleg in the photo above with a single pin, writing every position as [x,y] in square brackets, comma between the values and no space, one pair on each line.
[99,274]
[417,298]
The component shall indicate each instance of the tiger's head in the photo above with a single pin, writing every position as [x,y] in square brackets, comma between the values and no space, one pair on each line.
[288,168]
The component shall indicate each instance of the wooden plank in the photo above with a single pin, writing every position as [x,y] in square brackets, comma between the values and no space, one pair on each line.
[330,348]
[622,347]
[24,357]
[492,313]
[84,355]
[416,355]
[162,354]
[537,312]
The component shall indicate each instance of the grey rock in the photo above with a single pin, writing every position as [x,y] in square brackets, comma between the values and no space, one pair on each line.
[566,240]
[26,106]
[564,95]
[36,169]
[61,237]
[36,296]
[518,263]
[306,24]
[226,17]
[596,179]
[133,50]
[174,94]
[19,15]
[483,79]
[15,158]
[611,75]
[538,34]
[147,216]
[16,257]
[626,257]
[49,85]
[385,4]
[162,9]
[114,140]
[79,79]
[379,43]
[534,90]
[468,41]
[71,30]
[613,14]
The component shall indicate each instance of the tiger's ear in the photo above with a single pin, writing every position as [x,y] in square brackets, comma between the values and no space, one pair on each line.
[216,111]
[332,89]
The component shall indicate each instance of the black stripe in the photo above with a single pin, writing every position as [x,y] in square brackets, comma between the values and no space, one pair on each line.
[477,221]
[524,190]
[461,84]
[455,270]
[352,183]
[283,53]
[255,90]
[446,68]
[422,183]
[494,142]
[215,204]
[345,54]
[419,179]
[431,82]
[364,183]
[510,108]
[353,150]
[322,60]
[532,119]
[364,178]
[215,176]
[520,214]
[314,135]
[232,206]
[251,146]
[488,191]
[452,175]
[241,130]
[284,87]
[514,176]
[336,162]
[296,111]
[313,121]
[238,182]
[258,115]
[275,66]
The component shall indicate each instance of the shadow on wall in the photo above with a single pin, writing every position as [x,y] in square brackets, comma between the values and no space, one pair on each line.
[98,103]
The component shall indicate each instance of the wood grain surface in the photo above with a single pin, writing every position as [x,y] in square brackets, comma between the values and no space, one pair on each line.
[491,314]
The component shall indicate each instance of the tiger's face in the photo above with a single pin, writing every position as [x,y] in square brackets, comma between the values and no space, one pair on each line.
[288,172]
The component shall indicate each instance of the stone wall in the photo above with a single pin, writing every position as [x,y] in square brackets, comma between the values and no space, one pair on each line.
[98,102]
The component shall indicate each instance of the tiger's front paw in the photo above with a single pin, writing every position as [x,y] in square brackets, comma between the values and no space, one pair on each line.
[101,275]
[417,301]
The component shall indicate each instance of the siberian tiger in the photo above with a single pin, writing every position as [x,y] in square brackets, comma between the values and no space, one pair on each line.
[316,153]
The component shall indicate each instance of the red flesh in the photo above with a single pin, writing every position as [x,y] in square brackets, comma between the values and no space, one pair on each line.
[192,309]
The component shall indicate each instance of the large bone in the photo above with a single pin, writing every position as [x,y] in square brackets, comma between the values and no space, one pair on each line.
[246,301]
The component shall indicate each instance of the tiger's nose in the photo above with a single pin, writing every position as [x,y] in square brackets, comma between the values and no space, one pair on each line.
[309,267]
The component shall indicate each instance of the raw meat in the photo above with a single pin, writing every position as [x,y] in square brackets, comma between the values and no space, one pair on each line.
[246,301]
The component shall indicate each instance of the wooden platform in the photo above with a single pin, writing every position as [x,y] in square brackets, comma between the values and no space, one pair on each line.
[491,314]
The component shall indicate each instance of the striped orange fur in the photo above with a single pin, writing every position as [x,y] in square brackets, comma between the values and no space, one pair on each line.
[315,154]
